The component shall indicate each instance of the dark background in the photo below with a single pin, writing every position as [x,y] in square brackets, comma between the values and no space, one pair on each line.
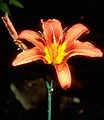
[87,73]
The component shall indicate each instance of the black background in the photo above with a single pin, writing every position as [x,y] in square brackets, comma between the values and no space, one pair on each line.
[87,73]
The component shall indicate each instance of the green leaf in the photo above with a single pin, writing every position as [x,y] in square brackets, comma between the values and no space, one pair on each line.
[16,3]
[4,7]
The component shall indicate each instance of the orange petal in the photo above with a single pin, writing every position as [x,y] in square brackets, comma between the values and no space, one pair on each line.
[52,30]
[84,48]
[74,32]
[28,56]
[63,74]
[33,37]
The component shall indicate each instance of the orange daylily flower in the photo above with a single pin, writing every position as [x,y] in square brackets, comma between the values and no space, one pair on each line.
[55,46]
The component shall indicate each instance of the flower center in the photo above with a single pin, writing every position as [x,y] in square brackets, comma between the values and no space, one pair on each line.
[55,53]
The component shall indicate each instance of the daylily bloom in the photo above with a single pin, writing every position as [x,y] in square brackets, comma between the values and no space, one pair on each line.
[55,46]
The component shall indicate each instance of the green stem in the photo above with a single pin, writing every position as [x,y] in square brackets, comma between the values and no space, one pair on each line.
[50,89]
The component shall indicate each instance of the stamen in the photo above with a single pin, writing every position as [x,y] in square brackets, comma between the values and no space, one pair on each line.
[21,45]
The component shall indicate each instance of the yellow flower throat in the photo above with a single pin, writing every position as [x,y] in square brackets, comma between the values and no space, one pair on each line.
[55,53]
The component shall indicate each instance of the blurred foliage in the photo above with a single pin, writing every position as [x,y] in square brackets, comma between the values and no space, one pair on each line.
[4,5]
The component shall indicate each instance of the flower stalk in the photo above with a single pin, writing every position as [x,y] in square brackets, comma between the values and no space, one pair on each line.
[50,89]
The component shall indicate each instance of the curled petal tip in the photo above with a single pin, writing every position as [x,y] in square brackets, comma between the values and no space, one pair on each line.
[100,53]
[17,63]
[66,87]
[13,64]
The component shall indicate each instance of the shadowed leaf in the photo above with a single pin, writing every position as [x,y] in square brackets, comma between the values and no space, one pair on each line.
[4,7]
[16,3]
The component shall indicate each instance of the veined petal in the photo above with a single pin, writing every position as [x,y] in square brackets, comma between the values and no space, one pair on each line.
[74,32]
[64,75]
[83,48]
[52,30]
[33,37]
[28,56]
